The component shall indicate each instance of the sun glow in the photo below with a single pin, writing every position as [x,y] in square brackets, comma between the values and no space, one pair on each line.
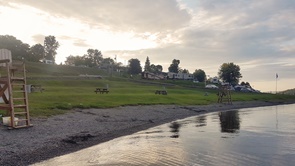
[74,36]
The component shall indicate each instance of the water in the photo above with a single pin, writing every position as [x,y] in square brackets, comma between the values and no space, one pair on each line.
[255,136]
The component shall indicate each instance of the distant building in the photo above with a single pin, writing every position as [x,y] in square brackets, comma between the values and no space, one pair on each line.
[215,80]
[180,76]
[47,61]
[153,76]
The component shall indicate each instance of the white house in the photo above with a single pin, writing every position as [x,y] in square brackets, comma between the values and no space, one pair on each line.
[214,80]
[47,61]
[149,75]
[180,76]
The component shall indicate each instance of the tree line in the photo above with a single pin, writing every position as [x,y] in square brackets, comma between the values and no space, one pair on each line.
[48,51]
[35,53]
[228,72]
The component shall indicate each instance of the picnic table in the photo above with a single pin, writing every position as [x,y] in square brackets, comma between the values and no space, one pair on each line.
[35,88]
[163,92]
[101,90]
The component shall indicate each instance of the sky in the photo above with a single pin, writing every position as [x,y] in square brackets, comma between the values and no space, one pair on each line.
[259,36]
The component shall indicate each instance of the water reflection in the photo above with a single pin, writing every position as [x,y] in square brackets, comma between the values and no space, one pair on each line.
[201,121]
[259,142]
[229,121]
[174,126]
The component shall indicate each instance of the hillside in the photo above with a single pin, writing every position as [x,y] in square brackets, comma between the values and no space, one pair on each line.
[49,70]
[289,92]
[65,90]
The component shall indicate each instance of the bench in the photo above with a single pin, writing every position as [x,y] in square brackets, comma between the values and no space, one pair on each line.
[101,91]
[163,92]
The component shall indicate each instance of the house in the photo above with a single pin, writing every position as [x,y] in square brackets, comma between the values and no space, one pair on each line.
[171,75]
[180,76]
[47,61]
[153,76]
[214,80]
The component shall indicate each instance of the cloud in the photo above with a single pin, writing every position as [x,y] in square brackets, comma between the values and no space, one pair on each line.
[128,15]
[38,38]
[81,43]
[249,33]
[76,41]
[202,34]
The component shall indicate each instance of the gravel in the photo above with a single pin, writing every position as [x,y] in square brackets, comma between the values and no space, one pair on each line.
[81,128]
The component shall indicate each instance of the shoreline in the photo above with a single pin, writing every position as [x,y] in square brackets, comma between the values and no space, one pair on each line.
[82,128]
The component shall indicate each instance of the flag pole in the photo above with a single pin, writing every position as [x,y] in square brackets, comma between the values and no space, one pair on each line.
[276,83]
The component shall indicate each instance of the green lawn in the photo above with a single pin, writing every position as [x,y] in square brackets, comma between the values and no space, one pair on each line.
[62,93]
[65,94]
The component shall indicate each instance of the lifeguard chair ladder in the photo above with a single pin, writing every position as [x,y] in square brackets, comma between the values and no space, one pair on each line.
[224,94]
[13,92]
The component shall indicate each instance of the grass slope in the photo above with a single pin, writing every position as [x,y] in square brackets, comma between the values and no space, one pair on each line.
[65,90]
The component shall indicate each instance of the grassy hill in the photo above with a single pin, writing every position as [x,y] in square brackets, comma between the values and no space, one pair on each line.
[49,70]
[65,90]
[288,92]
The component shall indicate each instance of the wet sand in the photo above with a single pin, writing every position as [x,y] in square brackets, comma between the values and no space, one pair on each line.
[81,128]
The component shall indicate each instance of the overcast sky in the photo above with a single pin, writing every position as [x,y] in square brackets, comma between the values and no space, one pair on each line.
[256,35]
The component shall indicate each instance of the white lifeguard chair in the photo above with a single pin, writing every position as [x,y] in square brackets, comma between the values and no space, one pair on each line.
[13,91]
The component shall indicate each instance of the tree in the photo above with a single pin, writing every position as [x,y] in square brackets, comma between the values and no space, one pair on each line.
[95,56]
[245,84]
[200,75]
[108,61]
[159,68]
[70,60]
[108,64]
[36,53]
[92,58]
[156,69]
[19,50]
[119,67]
[134,66]
[229,72]
[185,71]
[248,84]
[50,45]
[174,67]
[147,66]
[75,60]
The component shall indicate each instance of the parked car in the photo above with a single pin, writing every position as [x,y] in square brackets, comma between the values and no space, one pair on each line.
[211,86]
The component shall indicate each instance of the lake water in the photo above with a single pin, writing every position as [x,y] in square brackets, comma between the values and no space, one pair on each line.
[254,136]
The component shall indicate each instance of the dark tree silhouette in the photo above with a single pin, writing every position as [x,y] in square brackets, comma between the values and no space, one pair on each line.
[50,45]
[229,72]
[174,67]
[200,75]
[134,66]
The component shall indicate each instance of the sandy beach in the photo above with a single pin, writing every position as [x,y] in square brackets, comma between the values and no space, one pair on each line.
[81,128]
